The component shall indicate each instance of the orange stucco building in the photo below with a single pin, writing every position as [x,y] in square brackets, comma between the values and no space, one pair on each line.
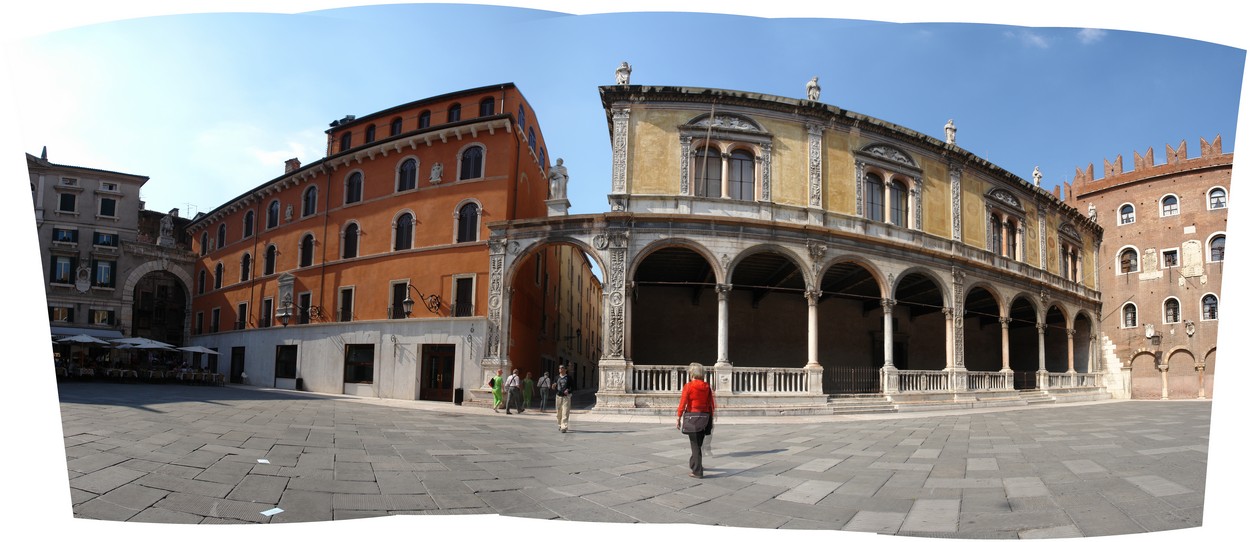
[302,281]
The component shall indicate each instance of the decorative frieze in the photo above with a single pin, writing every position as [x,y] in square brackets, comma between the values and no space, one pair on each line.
[766,173]
[620,148]
[685,165]
[957,226]
[814,165]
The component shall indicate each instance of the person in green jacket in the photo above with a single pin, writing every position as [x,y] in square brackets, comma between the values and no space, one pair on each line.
[496,385]
[527,389]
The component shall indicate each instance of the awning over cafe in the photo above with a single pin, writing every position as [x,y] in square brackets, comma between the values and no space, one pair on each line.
[60,331]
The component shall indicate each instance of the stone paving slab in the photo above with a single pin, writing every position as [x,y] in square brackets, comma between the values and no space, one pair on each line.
[1030,472]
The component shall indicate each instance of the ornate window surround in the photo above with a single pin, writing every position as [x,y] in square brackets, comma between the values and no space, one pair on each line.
[891,164]
[1007,205]
[1071,243]
[727,132]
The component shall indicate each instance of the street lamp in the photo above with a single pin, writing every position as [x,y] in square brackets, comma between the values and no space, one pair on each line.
[432,303]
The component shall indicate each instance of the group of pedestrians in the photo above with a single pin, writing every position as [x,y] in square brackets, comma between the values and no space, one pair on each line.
[515,392]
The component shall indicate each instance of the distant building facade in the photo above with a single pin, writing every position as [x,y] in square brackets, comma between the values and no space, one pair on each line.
[364,273]
[803,251]
[106,275]
[1161,266]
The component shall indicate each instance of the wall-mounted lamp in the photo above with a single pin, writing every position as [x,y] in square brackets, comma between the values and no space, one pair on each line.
[432,303]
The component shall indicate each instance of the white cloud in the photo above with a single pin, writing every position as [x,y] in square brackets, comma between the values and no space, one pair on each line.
[1090,35]
[1028,38]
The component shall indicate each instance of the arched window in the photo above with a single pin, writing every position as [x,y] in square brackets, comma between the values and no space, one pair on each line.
[874,197]
[1171,311]
[467,223]
[354,188]
[345,141]
[487,107]
[1210,307]
[217,273]
[423,120]
[471,163]
[271,216]
[310,201]
[1128,261]
[221,235]
[1011,239]
[407,175]
[898,203]
[1169,206]
[520,117]
[245,267]
[741,176]
[403,232]
[1217,198]
[707,170]
[371,133]
[203,243]
[1217,248]
[1129,313]
[453,113]
[1128,215]
[533,140]
[351,240]
[271,260]
[249,222]
[200,284]
[397,126]
[306,250]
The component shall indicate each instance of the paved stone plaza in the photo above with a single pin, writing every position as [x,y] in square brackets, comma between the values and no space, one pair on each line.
[188,454]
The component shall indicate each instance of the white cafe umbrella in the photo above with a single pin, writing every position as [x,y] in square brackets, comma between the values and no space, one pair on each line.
[197,349]
[83,339]
[143,343]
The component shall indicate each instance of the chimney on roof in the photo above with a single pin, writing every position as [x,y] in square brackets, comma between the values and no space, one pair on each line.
[292,165]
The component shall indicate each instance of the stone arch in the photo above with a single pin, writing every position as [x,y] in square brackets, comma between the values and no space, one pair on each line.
[1147,380]
[679,242]
[982,326]
[764,248]
[865,263]
[1208,361]
[137,274]
[919,296]
[928,273]
[1182,373]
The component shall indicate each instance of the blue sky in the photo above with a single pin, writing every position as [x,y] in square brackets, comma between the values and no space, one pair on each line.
[210,105]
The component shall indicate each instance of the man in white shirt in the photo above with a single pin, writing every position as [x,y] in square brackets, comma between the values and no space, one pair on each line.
[512,387]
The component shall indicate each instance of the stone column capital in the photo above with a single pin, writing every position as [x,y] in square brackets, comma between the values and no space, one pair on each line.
[1004,321]
[888,304]
[1041,328]
[813,296]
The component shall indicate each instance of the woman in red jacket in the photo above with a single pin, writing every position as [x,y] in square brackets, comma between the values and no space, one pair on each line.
[696,396]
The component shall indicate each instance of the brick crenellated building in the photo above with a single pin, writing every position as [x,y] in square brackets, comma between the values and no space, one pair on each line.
[1160,266]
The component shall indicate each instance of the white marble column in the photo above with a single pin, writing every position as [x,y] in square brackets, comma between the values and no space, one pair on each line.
[1071,351]
[813,297]
[887,310]
[1042,375]
[1006,347]
[722,324]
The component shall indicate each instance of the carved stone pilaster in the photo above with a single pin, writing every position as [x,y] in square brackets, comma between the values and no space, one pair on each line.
[917,198]
[766,172]
[815,161]
[1041,237]
[859,188]
[956,203]
[616,294]
[494,298]
[685,165]
[620,148]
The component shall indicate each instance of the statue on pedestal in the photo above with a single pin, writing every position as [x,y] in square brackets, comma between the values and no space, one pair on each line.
[950,132]
[622,73]
[813,89]
[558,176]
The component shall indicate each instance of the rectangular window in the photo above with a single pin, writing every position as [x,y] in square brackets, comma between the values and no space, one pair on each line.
[60,235]
[266,312]
[61,314]
[214,322]
[68,203]
[62,270]
[1171,258]
[284,361]
[345,304]
[66,181]
[462,305]
[103,276]
[108,207]
[108,187]
[241,321]
[101,317]
[103,239]
[399,292]
[358,364]
[305,306]
[199,323]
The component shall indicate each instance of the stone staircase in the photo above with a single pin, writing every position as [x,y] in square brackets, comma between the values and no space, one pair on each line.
[1036,397]
[858,404]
